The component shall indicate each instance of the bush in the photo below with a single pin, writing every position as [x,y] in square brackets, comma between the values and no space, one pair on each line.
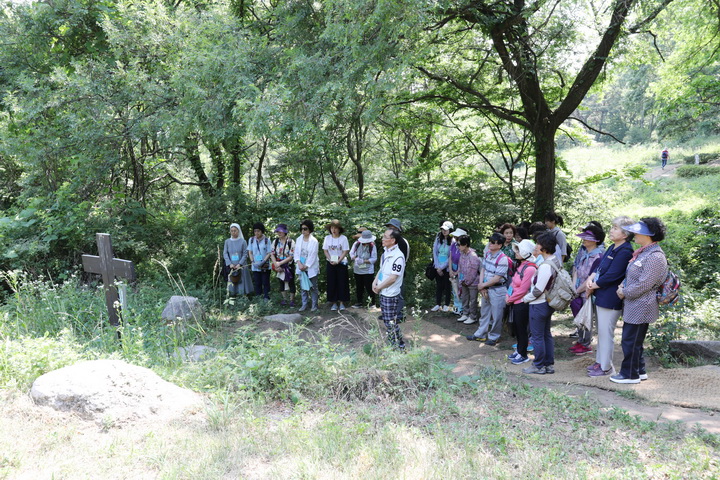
[705,158]
[690,171]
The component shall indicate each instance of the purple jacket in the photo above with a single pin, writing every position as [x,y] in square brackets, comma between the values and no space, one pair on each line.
[469,268]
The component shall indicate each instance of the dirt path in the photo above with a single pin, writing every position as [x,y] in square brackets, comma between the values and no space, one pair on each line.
[657,172]
[690,395]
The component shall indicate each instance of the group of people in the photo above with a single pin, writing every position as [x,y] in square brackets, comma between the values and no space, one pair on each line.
[510,278]
[513,275]
[248,266]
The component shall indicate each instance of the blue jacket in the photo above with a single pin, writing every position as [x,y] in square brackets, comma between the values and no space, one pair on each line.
[611,270]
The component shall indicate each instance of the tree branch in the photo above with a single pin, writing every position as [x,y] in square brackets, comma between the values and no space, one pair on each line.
[596,130]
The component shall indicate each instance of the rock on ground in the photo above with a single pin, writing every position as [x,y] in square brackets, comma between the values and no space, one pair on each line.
[708,350]
[286,318]
[194,353]
[112,392]
[183,308]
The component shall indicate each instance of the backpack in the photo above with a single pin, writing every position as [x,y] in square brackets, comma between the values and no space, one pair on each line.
[669,292]
[569,247]
[561,292]
[525,266]
[510,268]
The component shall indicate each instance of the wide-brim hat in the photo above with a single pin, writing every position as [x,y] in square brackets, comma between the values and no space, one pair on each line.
[281,228]
[458,232]
[394,222]
[588,235]
[639,228]
[366,237]
[525,248]
[335,223]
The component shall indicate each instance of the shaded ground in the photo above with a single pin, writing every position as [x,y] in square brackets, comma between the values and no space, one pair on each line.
[689,395]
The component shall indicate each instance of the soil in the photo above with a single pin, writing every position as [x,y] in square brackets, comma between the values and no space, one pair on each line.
[687,395]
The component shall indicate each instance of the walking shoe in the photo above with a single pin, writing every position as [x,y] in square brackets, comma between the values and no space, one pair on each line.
[435,308]
[513,355]
[619,378]
[519,360]
[582,350]
[357,305]
[342,306]
[446,308]
[514,346]
[303,308]
[476,338]
[463,318]
[549,369]
[314,309]
[599,372]
[574,347]
[334,307]
[534,369]
[469,321]
[594,366]
[574,334]
[292,303]
[457,312]
[283,303]
[643,376]
[530,348]
[491,343]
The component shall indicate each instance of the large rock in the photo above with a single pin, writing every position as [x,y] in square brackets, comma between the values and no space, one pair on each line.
[113,392]
[708,350]
[182,308]
[285,318]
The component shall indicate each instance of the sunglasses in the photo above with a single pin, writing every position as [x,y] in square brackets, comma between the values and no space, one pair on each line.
[305,228]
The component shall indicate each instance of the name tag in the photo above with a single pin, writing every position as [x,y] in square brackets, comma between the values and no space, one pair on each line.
[442,258]
[302,259]
[258,258]
[380,276]
[235,258]
[334,258]
[461,276]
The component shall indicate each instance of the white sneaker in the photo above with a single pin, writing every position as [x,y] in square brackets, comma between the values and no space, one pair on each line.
[446,308]
[334,307]
[469,321]
[435,308]
[342,306]
[463,318]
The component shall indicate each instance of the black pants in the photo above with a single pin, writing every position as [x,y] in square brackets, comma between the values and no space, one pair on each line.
[633,363]
[261,281]
[363,286]
[442,286]
[338,283]
[521,319]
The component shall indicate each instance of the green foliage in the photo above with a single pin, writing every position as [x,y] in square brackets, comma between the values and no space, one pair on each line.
[704,158]
[689,171]
[285,366]
[24,358]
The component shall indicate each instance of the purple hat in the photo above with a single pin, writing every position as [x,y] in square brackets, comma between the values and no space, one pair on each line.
[281,228]
[588,235]
[639,228]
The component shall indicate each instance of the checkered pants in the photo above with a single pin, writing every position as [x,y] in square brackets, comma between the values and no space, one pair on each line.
[389,307]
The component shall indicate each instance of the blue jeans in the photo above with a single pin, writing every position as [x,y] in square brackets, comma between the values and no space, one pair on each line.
[542,340]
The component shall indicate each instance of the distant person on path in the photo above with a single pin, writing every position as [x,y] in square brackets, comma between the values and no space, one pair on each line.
[645,273]
[259,250]
[603,283]
[388,283]
[283,249]
[307,265]
[364,255]
[235,256]
[664,157]
[336,248]
[441,262]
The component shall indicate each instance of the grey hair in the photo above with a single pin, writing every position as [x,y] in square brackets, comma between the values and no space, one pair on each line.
[624,221]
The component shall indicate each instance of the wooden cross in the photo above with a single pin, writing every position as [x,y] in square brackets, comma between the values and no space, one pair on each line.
[109,267]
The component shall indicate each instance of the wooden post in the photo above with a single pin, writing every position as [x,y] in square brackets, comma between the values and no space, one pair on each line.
[109,268]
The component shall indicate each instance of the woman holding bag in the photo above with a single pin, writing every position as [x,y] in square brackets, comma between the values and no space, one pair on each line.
[603,283]
[282,263]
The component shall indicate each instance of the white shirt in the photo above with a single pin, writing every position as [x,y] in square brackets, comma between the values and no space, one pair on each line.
[336,246]
[307,253]
[392,263]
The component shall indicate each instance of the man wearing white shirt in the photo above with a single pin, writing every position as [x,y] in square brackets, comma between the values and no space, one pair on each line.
[388,284]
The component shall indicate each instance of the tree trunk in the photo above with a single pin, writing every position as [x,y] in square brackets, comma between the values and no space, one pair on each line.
[544,141]
[193,156]
[218,159]
[261,160]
